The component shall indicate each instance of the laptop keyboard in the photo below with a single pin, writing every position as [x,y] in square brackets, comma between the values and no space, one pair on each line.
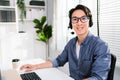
[30,76]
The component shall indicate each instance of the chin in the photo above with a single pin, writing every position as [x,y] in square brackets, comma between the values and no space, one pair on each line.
[81,33]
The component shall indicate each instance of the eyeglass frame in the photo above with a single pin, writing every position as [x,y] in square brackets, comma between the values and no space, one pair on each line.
[80,18]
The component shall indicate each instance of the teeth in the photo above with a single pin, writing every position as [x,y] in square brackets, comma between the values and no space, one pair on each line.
[80,28]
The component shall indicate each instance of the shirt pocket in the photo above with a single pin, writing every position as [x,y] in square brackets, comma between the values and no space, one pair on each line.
[85,66]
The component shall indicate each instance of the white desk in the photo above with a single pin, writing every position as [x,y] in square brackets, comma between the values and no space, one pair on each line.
[47,73]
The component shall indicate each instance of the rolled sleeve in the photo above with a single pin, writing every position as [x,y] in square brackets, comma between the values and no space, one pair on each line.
[55,63]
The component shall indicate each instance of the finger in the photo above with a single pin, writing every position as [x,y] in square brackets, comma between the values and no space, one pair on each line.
[24,66]
[28,69]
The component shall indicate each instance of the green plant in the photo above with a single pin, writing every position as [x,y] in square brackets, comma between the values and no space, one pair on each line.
[43,30]
[21,6]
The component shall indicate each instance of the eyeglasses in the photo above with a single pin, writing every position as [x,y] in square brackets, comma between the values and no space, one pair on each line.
[83,19]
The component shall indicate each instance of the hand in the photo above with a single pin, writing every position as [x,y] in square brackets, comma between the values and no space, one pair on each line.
[28,67]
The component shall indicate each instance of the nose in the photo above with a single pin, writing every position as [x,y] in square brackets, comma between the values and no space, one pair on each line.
[79,21]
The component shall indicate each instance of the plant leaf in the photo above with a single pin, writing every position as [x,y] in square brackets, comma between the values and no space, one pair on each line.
[43,20]
[36,21]
[38,24]
[42,37]
[48,31]
[43,30]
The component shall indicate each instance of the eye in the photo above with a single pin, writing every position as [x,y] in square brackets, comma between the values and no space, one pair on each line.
[74,18]
[84,18]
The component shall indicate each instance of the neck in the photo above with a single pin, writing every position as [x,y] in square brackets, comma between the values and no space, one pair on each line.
[82,37]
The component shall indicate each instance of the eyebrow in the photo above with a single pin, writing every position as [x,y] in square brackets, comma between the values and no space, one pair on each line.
[78,17]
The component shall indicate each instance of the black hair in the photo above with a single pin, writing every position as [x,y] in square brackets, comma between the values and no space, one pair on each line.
[86,11]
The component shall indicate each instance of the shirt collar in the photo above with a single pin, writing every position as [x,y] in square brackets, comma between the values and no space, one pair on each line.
[86,40]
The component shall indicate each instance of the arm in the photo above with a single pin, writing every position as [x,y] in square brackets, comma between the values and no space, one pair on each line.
[101,64]
[30,67]
[59,61]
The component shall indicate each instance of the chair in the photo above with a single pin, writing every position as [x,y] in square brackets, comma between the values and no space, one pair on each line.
[112,66]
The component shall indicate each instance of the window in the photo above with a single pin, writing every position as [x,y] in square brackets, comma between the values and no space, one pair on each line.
[61,21]
[110,25]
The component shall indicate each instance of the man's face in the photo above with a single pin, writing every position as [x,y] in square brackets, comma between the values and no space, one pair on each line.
[80,22]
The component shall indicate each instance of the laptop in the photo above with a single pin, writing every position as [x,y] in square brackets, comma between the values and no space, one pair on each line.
[14,75]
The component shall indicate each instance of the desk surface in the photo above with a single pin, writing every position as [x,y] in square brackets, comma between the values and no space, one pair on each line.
[47,73]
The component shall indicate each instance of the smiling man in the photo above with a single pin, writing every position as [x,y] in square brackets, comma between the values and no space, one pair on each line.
[88,56]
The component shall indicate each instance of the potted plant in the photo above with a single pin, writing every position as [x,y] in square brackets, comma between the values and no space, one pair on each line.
[43,30]
[21,6]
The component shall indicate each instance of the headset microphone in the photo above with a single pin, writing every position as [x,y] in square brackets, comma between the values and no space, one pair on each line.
[72,32]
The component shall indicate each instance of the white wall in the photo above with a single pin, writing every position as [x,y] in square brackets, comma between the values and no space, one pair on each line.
[20,45]
[53,52]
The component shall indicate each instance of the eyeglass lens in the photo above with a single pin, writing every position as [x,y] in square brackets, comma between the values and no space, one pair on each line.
[83,19]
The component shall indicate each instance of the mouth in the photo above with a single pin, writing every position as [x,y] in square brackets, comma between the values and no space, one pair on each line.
[79,28]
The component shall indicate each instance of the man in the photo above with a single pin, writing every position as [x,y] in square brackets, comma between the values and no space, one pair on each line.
[88,56]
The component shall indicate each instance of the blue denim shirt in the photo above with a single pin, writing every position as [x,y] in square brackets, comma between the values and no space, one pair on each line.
[94,59]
